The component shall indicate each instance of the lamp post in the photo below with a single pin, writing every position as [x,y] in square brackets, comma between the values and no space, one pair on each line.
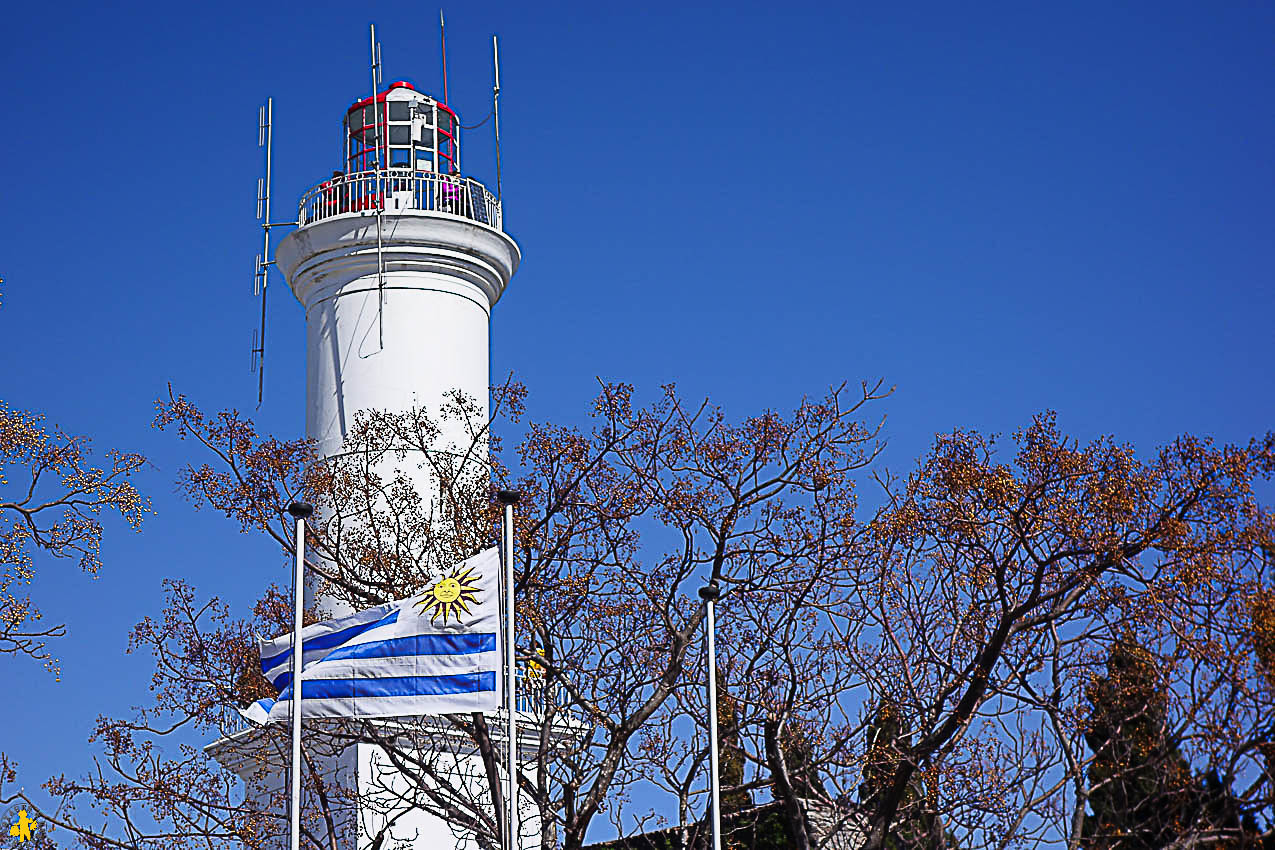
[300,511]
[710,593]
[509,498]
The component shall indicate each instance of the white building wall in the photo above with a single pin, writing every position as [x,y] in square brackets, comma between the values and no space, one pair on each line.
[401,339]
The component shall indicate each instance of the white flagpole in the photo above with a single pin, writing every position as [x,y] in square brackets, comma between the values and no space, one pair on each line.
[299,511]
[710,593]
[509,498]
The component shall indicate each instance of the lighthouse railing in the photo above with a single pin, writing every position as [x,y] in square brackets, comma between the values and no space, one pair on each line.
[400,191]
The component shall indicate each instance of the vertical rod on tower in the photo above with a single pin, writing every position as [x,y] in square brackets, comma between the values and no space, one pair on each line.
[710,594]
[265,134]
[442,31]
[376,110]
[495,108]
[299,511]
[509,498]
[380,189]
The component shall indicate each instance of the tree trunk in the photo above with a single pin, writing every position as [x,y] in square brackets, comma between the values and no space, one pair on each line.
[794,813]
[488,753]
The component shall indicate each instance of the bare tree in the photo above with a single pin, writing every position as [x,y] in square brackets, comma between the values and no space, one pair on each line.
[52,496]
[921,670]
[622,522]
[947,676]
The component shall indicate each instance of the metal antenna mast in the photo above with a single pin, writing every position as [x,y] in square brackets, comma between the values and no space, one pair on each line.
[442,32]
[261,274]
[265,138]
[495,109]
[380,189]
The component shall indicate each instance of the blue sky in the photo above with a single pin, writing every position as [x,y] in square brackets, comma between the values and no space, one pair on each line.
[998,210]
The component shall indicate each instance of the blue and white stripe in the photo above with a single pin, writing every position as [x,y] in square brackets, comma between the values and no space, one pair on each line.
[392,660]
[258,714]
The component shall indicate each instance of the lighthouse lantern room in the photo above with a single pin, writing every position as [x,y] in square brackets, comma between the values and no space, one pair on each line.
[400,151]
[401,128]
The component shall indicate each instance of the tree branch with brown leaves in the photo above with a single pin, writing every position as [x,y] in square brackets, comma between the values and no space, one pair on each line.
[52,498]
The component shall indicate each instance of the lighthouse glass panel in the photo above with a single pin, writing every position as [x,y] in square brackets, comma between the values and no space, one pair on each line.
[363,124]
[364,137]
[446,141]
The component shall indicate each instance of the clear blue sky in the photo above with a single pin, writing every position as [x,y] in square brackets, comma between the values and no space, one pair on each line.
[998,209]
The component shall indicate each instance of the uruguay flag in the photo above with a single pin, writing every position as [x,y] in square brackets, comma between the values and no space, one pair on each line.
[435,653]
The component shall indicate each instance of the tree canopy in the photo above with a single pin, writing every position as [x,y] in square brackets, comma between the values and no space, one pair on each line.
[1012,641]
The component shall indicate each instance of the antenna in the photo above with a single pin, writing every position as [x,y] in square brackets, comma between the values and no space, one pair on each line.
[261,269]
[377,81]
[442,31]
[376,110]
[265,139]
[495,110]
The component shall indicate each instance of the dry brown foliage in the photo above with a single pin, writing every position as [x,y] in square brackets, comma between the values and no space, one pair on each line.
[52,496]
[968,610]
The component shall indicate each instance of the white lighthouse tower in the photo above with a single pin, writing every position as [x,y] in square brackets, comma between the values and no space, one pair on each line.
[398,259]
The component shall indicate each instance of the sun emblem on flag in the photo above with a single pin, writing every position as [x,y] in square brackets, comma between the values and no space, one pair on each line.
[452,595]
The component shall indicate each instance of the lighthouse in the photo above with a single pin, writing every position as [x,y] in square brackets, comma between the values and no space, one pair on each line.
[398,259]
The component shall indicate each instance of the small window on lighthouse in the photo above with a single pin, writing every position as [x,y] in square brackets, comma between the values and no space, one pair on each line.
[398,110]
[400,134]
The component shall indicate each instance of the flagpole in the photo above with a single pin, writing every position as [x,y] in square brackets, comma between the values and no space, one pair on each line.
[299,511]
[710,593]
[509,498]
